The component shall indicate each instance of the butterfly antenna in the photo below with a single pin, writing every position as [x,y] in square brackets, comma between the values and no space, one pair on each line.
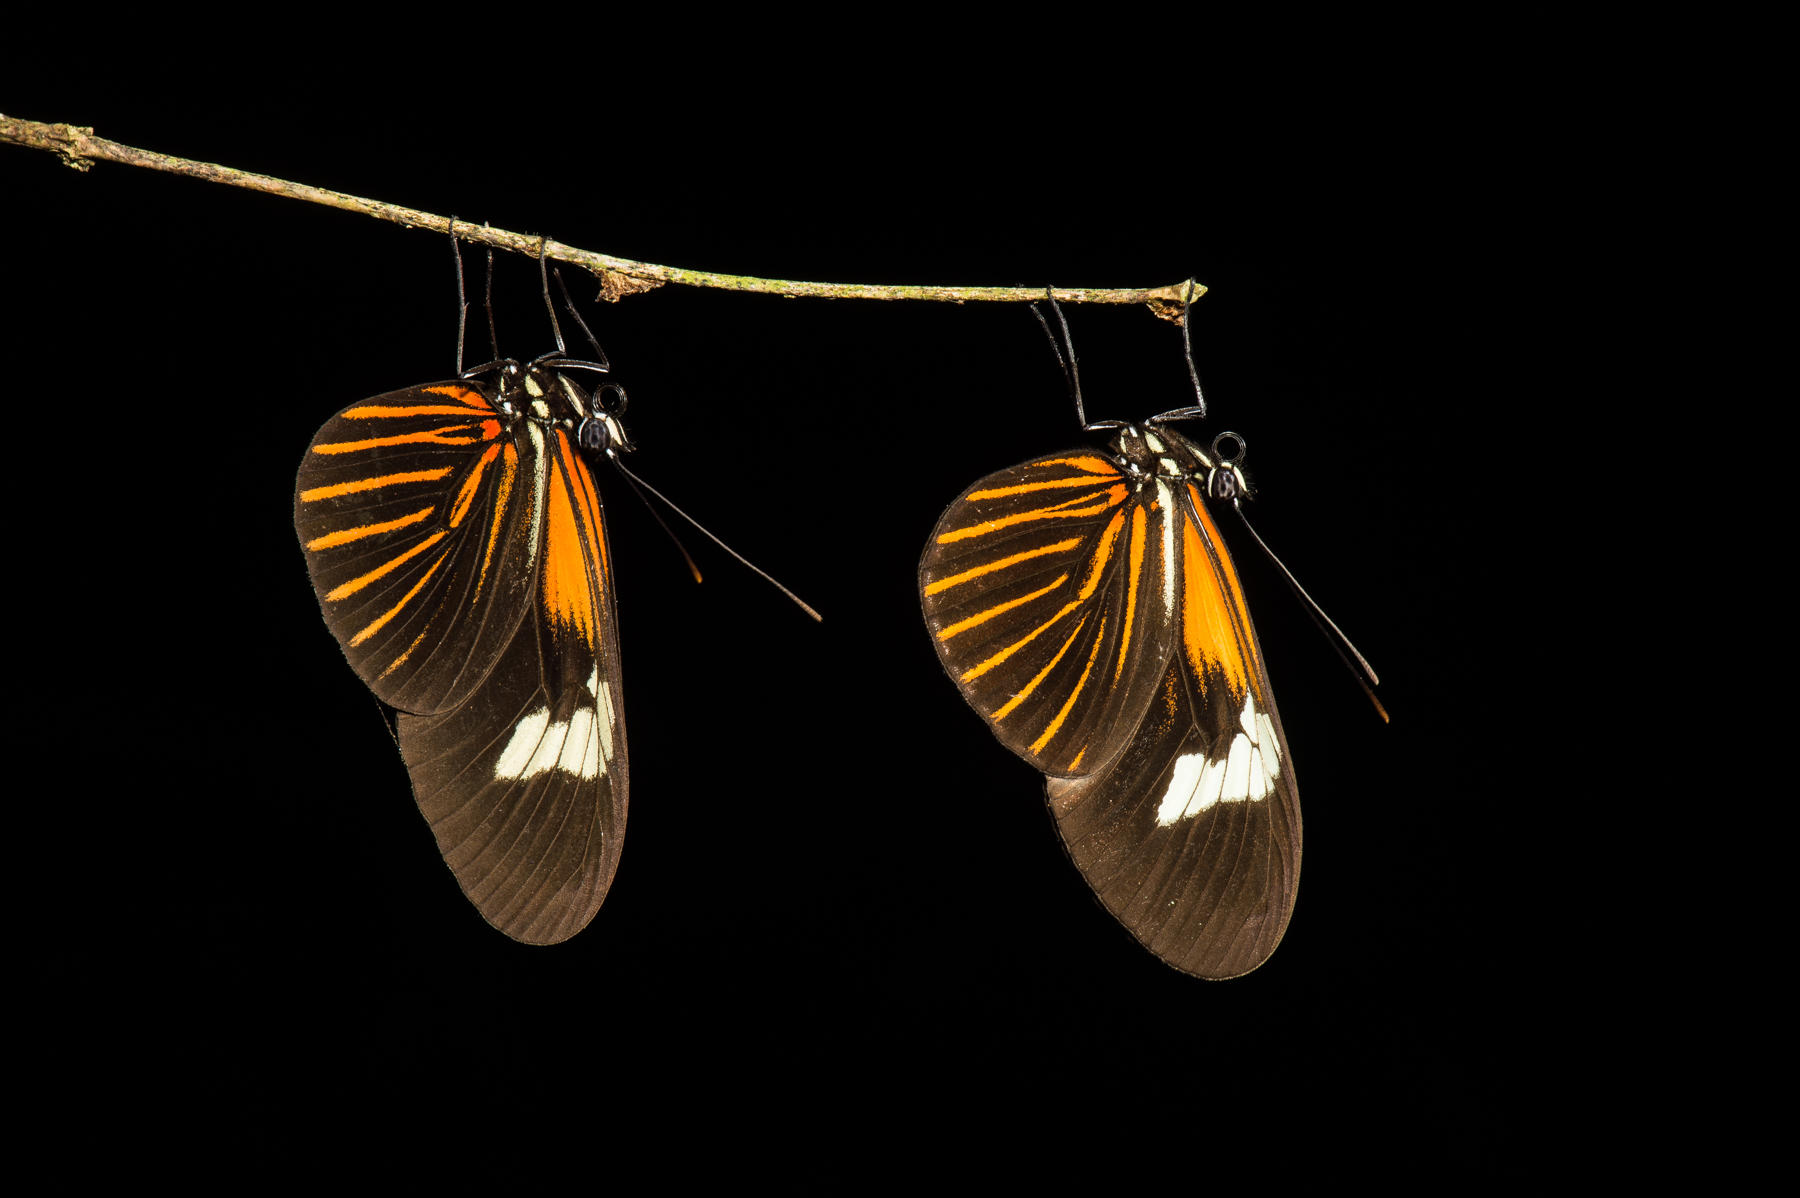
[1363,672]
[637,482]
[644,499]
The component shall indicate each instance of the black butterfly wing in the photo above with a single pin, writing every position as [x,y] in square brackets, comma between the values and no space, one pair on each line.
[461,559]
[1191,837]
[1040,593]
[525,785]
[414,511]
[1092,617]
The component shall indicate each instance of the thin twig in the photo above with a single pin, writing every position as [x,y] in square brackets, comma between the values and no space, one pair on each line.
[619,277]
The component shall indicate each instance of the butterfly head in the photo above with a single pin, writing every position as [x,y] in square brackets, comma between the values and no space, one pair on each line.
[601,429]
[1225,479]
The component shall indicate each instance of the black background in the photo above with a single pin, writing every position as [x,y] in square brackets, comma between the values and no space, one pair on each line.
[844,937]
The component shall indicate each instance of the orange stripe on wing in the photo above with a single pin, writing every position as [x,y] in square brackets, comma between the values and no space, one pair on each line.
[944,584]
[1006,709]
[471,485]
[566,594]
[1054,484]
[998,609]
[1133,577]
[346,535]
[370,411]
[1102,554]
[588,500]
[1214,625]
[509,470]
[377,624]
[1037,746]
[1089,462]
[374,483]
[408,652]
[462,395]
[1068,509]
[386,568]
[454,434]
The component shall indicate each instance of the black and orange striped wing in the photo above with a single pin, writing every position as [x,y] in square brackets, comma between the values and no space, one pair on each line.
[1085,606]
[458,547]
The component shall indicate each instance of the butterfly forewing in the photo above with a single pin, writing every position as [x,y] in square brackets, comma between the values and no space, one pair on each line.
[459,550]
[1041,593]
[414,509]
[1170,777]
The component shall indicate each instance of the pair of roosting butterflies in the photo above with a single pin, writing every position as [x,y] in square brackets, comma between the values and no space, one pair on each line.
[1083,602]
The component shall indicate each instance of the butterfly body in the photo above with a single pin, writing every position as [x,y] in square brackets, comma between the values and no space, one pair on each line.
[1085,605]
[458,547]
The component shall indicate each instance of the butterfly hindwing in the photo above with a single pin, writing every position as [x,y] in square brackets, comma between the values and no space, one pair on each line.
[459,550]
[1170,779]
[525,785]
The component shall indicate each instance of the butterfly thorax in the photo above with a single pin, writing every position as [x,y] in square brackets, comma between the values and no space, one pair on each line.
[551,399]
[1161,452]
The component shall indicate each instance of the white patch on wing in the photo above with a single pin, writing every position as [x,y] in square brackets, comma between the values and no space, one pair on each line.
[572,393]
[1244,772]
[604,707]
[1167,498]
[582,746]
[540,466]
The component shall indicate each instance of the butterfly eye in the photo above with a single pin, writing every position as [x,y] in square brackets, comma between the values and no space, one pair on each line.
[592,434]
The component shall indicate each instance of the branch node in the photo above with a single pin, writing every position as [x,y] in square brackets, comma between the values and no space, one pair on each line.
[69,138]
[616,285]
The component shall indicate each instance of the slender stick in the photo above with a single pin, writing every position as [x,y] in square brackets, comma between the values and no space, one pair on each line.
[619,277]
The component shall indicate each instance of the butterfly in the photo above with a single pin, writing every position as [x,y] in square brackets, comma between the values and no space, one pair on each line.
[1086,606]
[457,543]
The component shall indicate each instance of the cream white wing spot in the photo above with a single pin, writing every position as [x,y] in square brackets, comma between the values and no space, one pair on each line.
[540,468]
[573,394]
[1244,772]
[605,717]
[1166,498]
[581,746]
